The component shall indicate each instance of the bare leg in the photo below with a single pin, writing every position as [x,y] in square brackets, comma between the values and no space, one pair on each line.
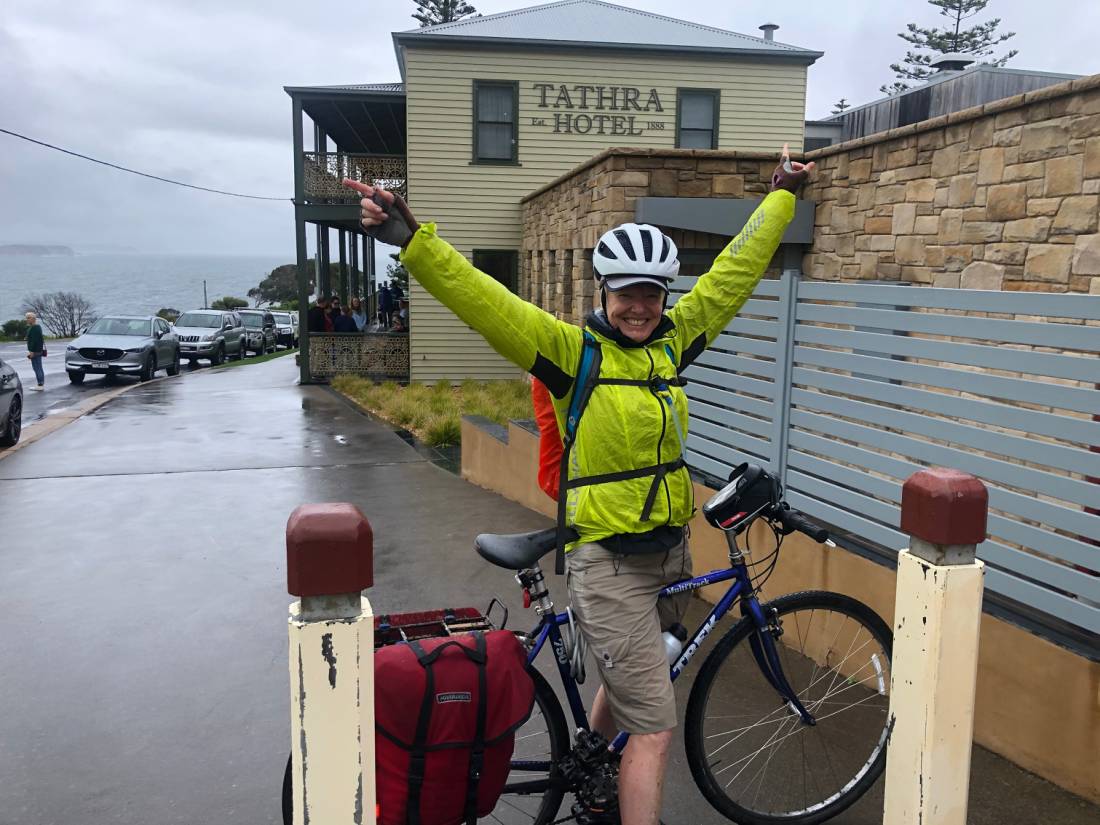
[599,718]
[642,777]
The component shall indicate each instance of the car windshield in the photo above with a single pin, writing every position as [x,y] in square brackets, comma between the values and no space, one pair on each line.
[121,326]
[199,319]
[282,317]
[256,321]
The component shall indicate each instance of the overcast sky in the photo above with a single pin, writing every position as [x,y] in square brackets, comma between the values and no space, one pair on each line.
[192,90]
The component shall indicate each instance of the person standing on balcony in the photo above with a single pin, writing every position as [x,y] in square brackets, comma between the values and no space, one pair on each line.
[358,314]
[315,319]
[626,484]
[385,304]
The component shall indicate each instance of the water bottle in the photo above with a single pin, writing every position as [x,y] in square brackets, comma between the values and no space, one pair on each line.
[674,639]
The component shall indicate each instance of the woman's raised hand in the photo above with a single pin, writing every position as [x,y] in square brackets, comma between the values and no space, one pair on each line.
[790,175]
[383,215]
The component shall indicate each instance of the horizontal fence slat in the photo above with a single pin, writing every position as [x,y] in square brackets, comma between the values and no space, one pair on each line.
[729,380]
[740,344]
[1045,541]
[720,434]
[1061,336]
[1039,599]
[989,469]
[718,467]
[1028,507]
[847,521]
[1037,452]
[749,326]
[1080,430]
[1083,307]
[737,363]
[994,386]
[726,398]
[1052,365]
[704,412]
[769,287]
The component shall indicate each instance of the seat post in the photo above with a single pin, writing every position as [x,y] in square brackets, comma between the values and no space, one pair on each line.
[534,582]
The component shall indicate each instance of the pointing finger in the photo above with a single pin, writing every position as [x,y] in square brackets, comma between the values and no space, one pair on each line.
[364,189]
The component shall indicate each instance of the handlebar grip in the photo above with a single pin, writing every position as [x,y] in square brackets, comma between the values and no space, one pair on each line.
[793,520]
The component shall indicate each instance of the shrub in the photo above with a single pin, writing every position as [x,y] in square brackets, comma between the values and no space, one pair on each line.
[443,431]
[16,329]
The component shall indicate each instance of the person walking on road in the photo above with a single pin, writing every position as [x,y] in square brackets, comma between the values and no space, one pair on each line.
[626,486]
[36,348]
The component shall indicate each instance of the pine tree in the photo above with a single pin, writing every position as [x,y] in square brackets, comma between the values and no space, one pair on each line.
[434,12]
[979,40]
[841,105]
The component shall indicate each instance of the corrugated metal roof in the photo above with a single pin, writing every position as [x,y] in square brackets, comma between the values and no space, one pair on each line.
[374,88]
[593,22]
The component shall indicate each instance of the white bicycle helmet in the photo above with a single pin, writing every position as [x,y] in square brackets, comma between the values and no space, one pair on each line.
[635,253]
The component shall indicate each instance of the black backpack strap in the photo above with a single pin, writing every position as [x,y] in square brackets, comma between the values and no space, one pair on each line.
[418,754]
[477,753]
[587,375]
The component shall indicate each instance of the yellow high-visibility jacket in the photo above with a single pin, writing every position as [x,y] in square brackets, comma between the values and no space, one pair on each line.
[623,428]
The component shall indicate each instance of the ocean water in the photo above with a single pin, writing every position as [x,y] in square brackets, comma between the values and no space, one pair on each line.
[131,284]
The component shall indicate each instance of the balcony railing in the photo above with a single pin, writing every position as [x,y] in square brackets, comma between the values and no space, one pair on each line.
[382,356]
[323,172]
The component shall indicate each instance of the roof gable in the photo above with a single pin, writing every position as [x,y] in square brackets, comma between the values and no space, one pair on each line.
[598,24]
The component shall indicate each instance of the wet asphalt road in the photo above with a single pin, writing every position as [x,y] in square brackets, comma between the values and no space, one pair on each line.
[144,602]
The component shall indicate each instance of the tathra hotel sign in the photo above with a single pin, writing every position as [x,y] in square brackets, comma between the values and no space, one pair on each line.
[598,110]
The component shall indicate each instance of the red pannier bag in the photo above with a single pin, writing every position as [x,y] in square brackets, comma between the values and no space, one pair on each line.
[446,714]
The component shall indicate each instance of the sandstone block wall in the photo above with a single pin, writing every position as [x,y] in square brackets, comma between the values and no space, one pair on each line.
[1000,196]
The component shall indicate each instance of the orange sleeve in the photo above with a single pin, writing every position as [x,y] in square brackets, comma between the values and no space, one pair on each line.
[549,439]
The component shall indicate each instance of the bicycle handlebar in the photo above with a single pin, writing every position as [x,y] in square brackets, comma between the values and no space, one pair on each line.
[793,520]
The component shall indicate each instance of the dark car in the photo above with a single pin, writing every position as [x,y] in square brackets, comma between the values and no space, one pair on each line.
[259,328]
[11,405]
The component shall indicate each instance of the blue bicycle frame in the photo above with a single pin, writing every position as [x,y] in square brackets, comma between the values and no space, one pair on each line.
[762,644]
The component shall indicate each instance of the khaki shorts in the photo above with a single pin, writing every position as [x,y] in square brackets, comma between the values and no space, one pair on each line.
[615,601]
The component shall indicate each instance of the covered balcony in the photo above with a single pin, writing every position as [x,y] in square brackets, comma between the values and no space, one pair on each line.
[356,132]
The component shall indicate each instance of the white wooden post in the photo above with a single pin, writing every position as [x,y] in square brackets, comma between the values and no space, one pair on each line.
[331,627]
[937,617]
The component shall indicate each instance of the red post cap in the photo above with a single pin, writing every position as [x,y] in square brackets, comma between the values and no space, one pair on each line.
[329,550]
[943,506]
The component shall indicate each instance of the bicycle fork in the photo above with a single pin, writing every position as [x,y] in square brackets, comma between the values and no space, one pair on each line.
[763,641]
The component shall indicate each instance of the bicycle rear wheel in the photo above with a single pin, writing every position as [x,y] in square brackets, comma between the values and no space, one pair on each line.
[533,792]
[750,753]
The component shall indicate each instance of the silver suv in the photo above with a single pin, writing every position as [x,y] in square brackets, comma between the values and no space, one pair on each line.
[213,334]
[286,328]
[123,345]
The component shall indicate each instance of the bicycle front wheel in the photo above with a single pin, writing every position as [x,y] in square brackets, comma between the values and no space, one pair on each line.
[750,753]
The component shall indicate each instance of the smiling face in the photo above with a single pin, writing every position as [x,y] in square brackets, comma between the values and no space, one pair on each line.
[636,310]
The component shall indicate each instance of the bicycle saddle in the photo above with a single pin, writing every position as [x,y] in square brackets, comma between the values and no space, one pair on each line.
[519,550]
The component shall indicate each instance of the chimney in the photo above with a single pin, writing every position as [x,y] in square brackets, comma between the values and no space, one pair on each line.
[769,30]
[951,62]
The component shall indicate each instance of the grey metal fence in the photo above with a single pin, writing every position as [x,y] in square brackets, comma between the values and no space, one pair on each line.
[844,390]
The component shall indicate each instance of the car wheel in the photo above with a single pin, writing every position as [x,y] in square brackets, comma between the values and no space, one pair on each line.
[219,356]
[148,369]
[75,377]
[10,436]
[174,364]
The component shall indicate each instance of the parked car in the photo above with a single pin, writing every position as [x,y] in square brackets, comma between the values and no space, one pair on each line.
[259,327]
[286,328]
[212,334]
[11,405]
[124,345]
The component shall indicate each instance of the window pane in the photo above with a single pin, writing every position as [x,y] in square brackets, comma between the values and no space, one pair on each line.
[494,141]
[697,111]
[696,139]
[494,104]
[499,265]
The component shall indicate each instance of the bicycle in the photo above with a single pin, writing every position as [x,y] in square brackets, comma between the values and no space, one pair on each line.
[847,657]
[835,648]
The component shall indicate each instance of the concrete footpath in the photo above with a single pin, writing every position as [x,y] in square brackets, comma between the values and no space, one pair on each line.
[144,603]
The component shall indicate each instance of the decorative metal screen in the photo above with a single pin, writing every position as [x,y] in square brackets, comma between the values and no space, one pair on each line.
[383,356]
[324,171]
[863,385]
